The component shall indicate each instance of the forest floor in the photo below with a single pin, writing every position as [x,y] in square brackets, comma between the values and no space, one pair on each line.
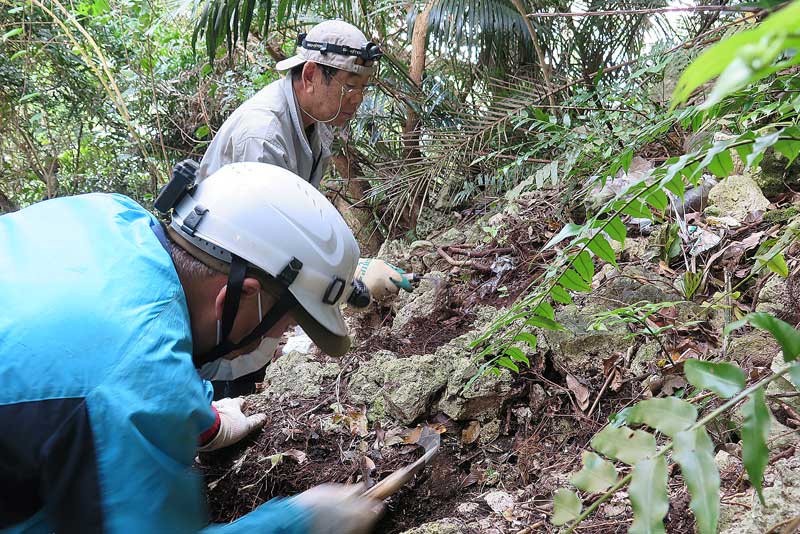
[508,443]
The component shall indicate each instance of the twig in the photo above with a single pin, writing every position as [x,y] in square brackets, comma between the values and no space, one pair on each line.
[478,266]
[602,390]
[479,253]
[647,11]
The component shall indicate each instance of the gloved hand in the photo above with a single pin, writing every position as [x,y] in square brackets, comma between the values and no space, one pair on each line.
[233,424]
[339,509]
[381,278]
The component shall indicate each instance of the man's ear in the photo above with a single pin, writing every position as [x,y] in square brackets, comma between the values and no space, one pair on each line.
[250,289]
[307,76]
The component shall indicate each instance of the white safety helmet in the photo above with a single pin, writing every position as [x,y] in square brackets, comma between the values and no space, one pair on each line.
[281,226]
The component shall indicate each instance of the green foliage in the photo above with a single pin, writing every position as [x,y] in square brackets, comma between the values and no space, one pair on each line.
[624,444]
[744,58]
[649,497]
[597,474]
[692,447]
[724,379]
[783,332]
[694,452]
[669,415]
[566,507]
[755,432]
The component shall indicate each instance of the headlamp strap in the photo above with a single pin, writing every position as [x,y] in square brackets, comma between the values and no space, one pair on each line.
[368,52]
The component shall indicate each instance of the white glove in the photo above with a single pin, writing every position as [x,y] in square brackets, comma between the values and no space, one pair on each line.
[339,509]
[233,424]
[381,278]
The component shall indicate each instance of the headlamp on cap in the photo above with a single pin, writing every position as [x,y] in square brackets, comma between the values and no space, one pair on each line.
[369,51]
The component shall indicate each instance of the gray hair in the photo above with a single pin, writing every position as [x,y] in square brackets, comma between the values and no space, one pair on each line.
[187,265]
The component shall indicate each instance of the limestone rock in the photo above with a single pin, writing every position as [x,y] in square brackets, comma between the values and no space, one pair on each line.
[579,350]
[775,298]
[483,400]
[634,284]
[756,347]
[774,177]
[419,303]
[448,525]
[400,388]
[297,375]
[781,493]
[638,170]
[499,501]
[738,196]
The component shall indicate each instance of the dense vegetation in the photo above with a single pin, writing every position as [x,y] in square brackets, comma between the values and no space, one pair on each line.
[476,103]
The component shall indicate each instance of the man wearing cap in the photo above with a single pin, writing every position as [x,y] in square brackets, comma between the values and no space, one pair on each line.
[288,124]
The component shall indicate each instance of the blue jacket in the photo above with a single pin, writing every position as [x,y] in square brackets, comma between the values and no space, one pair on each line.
[100,403]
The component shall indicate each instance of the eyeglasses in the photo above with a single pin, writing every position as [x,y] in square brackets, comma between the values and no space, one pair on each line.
[350,91]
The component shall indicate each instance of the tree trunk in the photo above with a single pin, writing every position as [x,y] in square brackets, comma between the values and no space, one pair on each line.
[6,204]
[539,54]
[359,216]
[411,133]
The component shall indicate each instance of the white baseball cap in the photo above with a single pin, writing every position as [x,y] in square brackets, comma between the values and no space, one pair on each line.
[335,43]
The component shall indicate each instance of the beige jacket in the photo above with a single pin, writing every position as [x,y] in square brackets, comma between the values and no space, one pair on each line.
[267,128]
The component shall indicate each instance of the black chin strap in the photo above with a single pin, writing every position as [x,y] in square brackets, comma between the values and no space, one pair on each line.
[233,296]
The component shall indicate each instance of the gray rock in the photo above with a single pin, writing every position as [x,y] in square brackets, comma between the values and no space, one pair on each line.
[399,388]
[297,375]
[631,285]
[482,400]
[756,347]
[638,170]
[448,525]
[738,196]
[419,303]
[579,350]
[775,298]
[781,493]
[775,177]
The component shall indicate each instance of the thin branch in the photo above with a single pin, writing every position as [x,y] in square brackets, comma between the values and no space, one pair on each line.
[647,11]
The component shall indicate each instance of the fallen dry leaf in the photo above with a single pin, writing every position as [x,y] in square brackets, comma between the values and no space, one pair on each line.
[297,455]
[358,423]
[581,392]
[470,434]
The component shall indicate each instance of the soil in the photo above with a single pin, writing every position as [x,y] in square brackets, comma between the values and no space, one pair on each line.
[540,440]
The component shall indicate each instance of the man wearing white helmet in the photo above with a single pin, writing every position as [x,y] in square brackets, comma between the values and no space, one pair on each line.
[288,124]
[114,314]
